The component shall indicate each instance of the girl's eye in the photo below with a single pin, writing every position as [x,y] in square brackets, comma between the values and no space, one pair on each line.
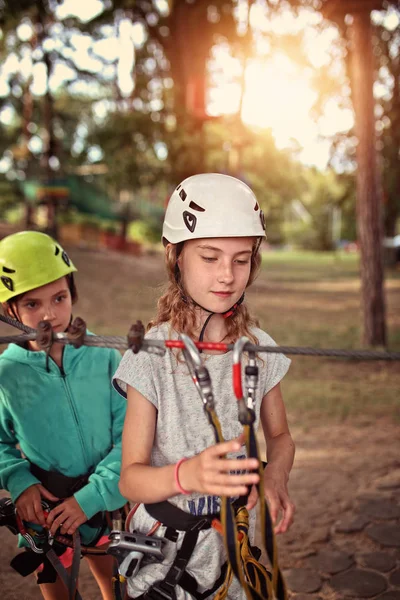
[60,299]
[242,262]
[30,304]
[208,258]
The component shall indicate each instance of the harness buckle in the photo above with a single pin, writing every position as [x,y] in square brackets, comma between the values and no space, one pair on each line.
[161,590]
[176,571]
[200,525]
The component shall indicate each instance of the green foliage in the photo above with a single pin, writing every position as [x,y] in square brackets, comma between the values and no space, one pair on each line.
[323,196]
[150,139]
[10,198]
[145,231]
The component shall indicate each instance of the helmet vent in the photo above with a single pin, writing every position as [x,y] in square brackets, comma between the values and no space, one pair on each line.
[8,283]
[6,270]
[65,258]
[262,219]
[57,252]
[196,207]
[256,207]
[183,195]
[190,221]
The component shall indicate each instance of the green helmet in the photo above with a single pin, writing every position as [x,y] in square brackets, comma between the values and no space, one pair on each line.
[28,260]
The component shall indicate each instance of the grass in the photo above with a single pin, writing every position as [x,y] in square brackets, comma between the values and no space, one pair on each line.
[300,298]
[310,299]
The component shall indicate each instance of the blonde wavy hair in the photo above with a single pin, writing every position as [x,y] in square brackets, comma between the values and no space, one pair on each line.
[174,306]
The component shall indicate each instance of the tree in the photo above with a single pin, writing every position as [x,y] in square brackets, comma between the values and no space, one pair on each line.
[358,39]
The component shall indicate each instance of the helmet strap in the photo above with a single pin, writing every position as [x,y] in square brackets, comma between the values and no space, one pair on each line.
[203,329]
[226,314]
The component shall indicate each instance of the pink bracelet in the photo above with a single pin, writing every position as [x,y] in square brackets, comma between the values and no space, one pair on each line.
[176,475]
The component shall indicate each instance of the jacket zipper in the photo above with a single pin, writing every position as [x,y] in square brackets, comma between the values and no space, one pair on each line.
[75,416]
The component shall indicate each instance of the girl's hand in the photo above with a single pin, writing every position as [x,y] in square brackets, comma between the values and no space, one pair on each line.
[29,504]
[211,473]
[68,516]
[253,498]
[281,507]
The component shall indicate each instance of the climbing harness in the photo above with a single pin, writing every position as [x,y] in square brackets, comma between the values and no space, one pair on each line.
[44,549]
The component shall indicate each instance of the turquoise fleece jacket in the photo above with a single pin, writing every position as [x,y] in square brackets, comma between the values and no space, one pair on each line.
[68,420]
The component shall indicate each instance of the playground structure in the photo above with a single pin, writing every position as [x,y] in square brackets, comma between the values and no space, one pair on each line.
[87,216]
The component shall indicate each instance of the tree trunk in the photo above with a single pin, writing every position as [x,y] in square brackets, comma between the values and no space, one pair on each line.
[369,193]
[48,122]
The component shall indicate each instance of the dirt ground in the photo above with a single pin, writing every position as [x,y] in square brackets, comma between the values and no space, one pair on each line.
[338,463]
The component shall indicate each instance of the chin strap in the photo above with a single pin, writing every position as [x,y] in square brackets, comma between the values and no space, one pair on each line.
[226,314]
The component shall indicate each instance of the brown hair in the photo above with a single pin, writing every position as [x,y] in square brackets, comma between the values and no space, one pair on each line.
[180,311]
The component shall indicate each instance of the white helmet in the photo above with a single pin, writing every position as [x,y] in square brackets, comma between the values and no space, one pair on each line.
[212,205]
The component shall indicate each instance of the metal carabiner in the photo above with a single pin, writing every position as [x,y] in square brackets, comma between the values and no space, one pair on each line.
[251,379]
[246,415]
[26,535]
[198,372]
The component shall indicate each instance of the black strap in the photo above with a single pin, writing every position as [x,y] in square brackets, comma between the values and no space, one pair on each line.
[28,561]
[165,588]
[177,519]
[58,484]
[170,515]
[189,584]
[63,486]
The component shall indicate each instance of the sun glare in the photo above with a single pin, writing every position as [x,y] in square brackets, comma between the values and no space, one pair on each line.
[278,95]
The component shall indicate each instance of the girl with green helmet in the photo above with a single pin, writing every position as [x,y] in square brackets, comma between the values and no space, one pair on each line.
[62,413]
[212,232]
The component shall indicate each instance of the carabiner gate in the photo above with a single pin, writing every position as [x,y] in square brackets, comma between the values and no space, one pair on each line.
[246,413]
[198,372]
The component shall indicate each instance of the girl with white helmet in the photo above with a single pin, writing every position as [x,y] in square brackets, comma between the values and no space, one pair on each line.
[60,419]
[212,233]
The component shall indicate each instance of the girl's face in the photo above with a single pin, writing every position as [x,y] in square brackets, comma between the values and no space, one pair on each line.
[51,302]
[215,271]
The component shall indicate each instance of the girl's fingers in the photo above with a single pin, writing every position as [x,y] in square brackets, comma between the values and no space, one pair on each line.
[273,508]
[58,522]
[218,450]
[230,485]
[234,480]
[240,465]
[30,514]
[53,514]
[73,526]
[240,439]
[287,518]
[39,516]
[66,525]
[253,498]
[22,512]
[46,494]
